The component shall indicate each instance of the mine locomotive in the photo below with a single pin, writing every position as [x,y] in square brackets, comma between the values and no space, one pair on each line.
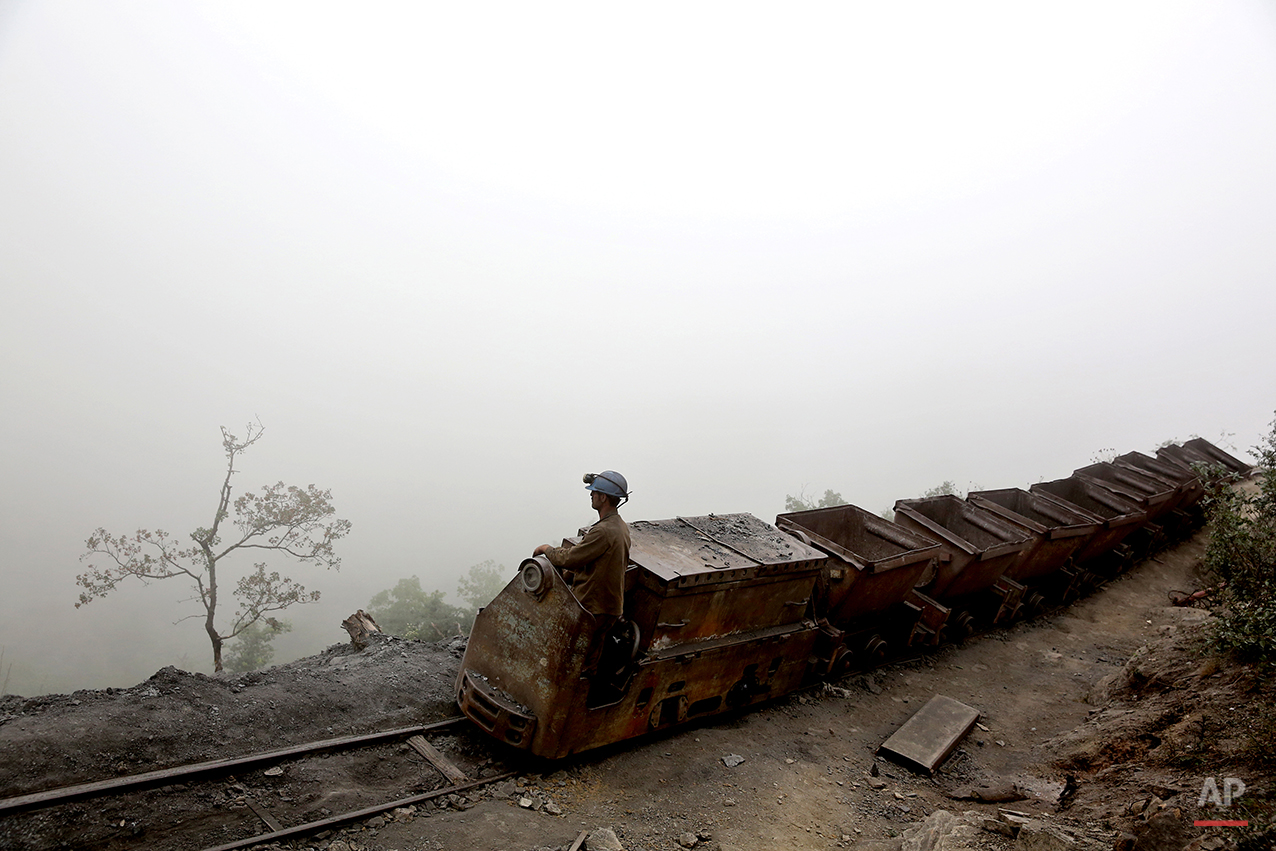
[725,611]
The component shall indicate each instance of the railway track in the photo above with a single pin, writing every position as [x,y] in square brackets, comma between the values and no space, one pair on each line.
[86,815]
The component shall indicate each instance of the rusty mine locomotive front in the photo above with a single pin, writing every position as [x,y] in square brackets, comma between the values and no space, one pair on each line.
[718,615]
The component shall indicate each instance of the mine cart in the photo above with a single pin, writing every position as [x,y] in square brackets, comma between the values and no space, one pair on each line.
[1215,455]
[1155,495]
[976,548]
[1208,470]
[1187,514]
[718,614]
[718,575]
[867,587]
[1119,517]
[1212,466]
[1055,533]
[1189,483]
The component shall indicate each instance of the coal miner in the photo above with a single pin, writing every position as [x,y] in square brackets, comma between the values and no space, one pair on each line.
[595,567]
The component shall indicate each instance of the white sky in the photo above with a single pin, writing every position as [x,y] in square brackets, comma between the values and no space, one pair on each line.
[454,256]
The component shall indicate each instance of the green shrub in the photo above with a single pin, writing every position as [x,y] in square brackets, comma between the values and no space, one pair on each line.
[252,649]
[1241,554]
[409,611]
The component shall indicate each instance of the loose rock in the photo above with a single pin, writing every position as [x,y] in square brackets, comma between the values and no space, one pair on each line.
[1037,836]
[992,825]
[603,839]
[1165,831]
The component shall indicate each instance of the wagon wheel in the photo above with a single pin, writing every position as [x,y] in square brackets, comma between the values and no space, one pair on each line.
[963,626]
[875,649]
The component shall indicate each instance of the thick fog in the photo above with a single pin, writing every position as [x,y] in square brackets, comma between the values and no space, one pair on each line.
[453,256]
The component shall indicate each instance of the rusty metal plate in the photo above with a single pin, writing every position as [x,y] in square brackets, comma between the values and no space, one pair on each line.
[721,547]
[931,734]
[950,519]
[1185,457]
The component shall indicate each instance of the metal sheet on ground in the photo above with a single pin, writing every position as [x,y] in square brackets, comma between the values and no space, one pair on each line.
[931,734]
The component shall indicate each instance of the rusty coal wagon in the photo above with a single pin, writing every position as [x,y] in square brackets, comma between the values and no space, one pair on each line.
[976,549]
[1118,518]
[868,588]
[1055,534]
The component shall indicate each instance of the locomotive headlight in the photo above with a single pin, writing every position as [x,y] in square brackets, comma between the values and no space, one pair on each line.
[532,574]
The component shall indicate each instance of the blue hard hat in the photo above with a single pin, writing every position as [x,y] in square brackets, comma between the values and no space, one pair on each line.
[609,482]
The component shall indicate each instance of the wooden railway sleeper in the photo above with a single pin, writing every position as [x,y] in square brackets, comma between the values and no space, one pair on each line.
[458,780]
[359,815]
[65,794]
[438,760]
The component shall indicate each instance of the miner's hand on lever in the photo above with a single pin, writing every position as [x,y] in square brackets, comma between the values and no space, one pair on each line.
[568,575]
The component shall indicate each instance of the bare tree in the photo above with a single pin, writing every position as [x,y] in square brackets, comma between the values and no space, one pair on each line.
[280,518]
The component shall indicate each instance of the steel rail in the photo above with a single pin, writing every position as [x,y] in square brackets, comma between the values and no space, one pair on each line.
[356,815]
[62,794]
